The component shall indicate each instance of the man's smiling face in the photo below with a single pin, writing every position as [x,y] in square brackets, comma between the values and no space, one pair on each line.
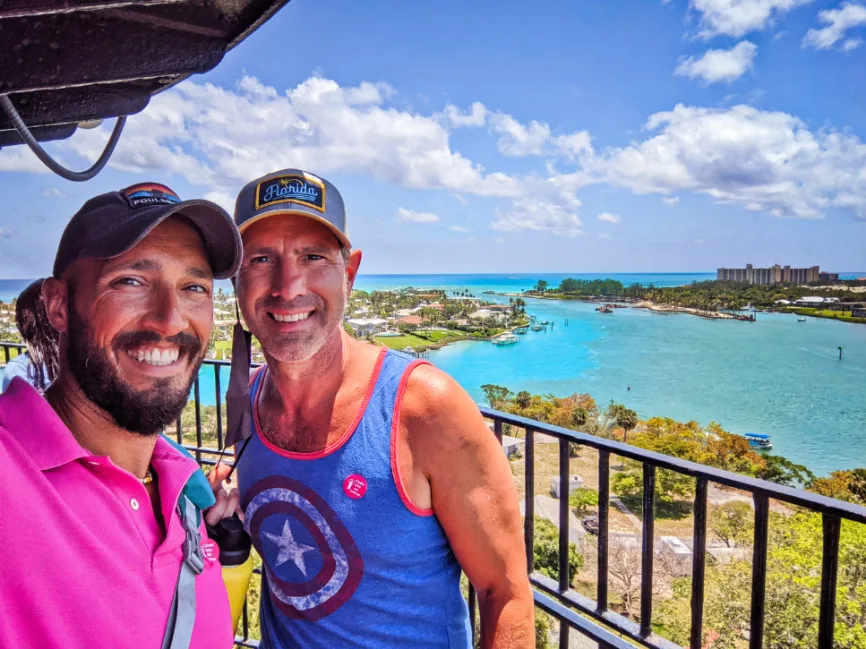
[294,282]
[138,326]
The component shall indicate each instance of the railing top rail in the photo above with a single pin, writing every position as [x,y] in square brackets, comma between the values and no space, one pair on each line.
[806,499]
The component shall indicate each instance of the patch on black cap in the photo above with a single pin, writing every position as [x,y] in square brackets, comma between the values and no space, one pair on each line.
[291,189]
[148,195]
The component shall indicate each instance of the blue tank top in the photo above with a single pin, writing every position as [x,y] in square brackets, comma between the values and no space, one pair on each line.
[348,561]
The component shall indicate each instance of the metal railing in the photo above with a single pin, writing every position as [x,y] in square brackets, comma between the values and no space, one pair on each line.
[594,618]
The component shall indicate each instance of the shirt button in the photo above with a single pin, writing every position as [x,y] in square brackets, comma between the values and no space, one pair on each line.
[134,504]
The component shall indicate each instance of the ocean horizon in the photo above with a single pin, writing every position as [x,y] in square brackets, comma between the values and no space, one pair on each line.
[476,282]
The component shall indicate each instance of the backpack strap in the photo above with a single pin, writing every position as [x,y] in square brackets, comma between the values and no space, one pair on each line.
[181,618]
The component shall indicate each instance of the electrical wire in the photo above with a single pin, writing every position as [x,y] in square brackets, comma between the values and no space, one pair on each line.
[51,163]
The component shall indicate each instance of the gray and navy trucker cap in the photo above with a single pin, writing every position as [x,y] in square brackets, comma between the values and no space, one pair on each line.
[292,191]
[113,223]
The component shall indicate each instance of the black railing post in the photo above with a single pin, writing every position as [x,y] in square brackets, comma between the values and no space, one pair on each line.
[647,549]
[6,353]
[564,494]
[564,487]
[829,574]
[529,507]
[219,405]
[699,552]
[759,570]
[472,608]
[497,429]
[197,421]
[603,511]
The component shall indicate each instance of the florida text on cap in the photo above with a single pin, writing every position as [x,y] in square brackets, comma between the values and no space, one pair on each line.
[111,224]
[292,191]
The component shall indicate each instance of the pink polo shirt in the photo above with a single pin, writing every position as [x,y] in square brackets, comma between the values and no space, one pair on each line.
[83,564]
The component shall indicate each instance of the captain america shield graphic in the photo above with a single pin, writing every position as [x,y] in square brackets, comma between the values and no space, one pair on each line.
[312,564]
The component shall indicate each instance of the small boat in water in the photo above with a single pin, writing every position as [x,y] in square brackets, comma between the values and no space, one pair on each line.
[759,441]
[537,327]
[505,339]
[801,319]
[604,309]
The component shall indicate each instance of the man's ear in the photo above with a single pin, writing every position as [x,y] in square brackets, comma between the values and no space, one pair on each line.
[56,297]
[352,266]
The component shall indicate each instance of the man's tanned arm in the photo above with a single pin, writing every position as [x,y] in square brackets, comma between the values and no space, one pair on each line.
[475,500]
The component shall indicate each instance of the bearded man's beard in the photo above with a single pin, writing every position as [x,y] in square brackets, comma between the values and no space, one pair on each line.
[146,412]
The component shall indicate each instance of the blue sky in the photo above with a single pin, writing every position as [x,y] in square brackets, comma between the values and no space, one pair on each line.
[638,135]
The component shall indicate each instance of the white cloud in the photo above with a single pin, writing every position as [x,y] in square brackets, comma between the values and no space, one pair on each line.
[574,144]
[20,158]
[218,139]
[222,199]
[851,44]
[221,138]
[700,242]
[475,116]
[559,216]
[459,228]
[670,201]
[739,17]
[535,139]
[52,192]
[764,161]
[517,139]
[607,217]
[720,65]
[411,216]
[849,15]
[605,235]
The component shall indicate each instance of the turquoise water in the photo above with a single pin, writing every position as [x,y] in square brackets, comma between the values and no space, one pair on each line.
[775,376]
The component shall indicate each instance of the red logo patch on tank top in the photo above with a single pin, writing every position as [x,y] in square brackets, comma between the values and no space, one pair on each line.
[355,486]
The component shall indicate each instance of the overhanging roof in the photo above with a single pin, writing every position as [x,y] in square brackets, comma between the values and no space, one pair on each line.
[68,61]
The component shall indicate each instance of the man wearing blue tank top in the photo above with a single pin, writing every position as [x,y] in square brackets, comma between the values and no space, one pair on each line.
[370,479]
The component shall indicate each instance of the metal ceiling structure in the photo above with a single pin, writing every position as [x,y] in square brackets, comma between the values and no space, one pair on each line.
[67,62]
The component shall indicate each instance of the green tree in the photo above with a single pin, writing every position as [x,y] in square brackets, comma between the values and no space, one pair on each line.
[670,485]
[733,523]
[523,399]
[843,485]
[541,286]
[784,472]
[623,417]
[497,396]
[581,500]
[793,591]
[547,551]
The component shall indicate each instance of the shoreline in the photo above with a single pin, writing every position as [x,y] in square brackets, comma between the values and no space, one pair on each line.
[639,304]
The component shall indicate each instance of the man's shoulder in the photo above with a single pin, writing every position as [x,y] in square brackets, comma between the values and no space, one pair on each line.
[431,394]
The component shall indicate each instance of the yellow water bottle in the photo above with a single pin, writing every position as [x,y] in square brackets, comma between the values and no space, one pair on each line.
[235,545]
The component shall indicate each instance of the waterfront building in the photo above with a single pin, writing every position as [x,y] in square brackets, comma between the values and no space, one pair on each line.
[775,274]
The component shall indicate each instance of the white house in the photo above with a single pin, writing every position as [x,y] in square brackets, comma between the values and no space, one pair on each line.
[365,326]
[812,301]
[482,314]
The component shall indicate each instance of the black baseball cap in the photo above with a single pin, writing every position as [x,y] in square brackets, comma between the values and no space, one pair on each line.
[113,223]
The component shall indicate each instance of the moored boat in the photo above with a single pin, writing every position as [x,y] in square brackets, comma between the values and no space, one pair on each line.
[759,441]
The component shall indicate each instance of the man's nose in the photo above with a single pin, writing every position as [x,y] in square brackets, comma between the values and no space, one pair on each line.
[166,314]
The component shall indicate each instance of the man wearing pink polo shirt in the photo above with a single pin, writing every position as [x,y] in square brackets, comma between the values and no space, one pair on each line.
[103,542]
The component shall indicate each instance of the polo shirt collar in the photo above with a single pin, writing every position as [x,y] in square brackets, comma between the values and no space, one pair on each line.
[37,427]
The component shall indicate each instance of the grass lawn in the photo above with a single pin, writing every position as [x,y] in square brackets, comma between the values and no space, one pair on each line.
[222,346]
[401,342]
[844,316]
[417,342]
